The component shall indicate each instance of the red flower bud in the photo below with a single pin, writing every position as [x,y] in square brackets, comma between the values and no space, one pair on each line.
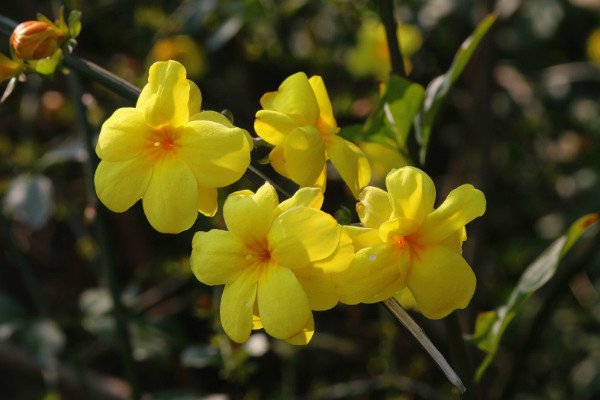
[33,40]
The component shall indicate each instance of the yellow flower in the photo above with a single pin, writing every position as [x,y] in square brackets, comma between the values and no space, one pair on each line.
[33,40]
[169,153]
[407,244]
[371,56]
[382,159]
[275,261]
[298,121]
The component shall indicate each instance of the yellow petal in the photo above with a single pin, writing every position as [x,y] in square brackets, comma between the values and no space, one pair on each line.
[304,197]
[441,281]
[397,226]
[282,304]
[207,201]
[406,299]
[266,100]
[195,100]
[249,216]
[303,235]
[237,303]
[277,161]
[318,287]
[362,237]
[304,154]
[218,257]
[212,116]
[372,270]
[302,338]
[326,119]
[350,162]
[382,159]
[171,200]
[123,136]
[463,204]
[216,154]
[411,192]
[168,100]
[296,96]
[121,184]
[373,207]
[273,126]
[341,258]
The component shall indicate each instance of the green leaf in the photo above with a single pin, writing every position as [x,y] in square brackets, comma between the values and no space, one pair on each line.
[74,23]
[400,102]
[47,66]
[490,325]
[439,87]
[343,216]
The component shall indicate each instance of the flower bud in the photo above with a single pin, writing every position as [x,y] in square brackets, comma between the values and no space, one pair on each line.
[33,40]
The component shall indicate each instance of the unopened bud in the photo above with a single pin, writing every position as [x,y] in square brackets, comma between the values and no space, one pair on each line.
[33,40]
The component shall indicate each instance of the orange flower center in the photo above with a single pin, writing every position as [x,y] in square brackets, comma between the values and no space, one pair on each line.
[410,242]
[163,142]
[259,255]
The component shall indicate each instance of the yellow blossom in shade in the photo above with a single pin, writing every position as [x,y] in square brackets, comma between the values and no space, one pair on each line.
[169,153]
[593,47]
[405,243]
[382,159]
[299,122]
[276,262]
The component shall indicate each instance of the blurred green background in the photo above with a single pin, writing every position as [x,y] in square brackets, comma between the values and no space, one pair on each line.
[522,124]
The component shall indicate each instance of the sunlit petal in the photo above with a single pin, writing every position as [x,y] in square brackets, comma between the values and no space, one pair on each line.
[341,258]
[303,235]
[350,162]
[218,257]
[296,96]
[216,154]
[441,281]
[362,237]
[373,207]
[463,204]
[123,136]
[304,154]
[319,288]
[237,303]
[372,270]
[277,161]
[167,102]
[249,216]
[273,126]
[397,226]
[121,184]
[171,200]
[326,119]
[411,192]
[283,306]
[305,335]
[304,197]
[195,100]
[212,116]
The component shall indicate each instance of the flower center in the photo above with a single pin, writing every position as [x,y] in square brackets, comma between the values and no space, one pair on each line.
[163,142]
[410,243]
[259,256]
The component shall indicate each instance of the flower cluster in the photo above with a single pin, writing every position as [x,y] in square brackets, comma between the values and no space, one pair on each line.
[278,262]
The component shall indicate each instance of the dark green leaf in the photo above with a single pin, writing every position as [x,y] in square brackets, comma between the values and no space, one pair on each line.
[439,87]
[10,310]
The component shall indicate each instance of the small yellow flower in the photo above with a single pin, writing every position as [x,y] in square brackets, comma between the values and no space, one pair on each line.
[33,40]
[275,261]
[407,244]
[169,153]
[9,68]
[298,121]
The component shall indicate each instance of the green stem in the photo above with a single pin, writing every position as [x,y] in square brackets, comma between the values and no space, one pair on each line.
[386,9]
[108,266]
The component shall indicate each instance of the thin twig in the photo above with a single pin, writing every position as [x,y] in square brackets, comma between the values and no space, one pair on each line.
[386,9]
[402,316]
